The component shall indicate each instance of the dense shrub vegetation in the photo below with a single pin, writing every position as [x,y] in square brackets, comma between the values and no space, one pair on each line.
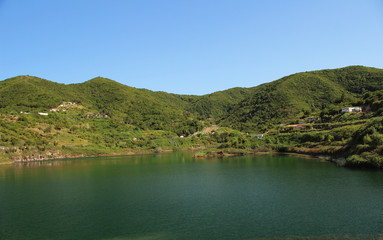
[298,113]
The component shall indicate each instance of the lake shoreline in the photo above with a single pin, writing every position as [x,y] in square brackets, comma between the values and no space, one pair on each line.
[305,155]
[42,157]
[45,157]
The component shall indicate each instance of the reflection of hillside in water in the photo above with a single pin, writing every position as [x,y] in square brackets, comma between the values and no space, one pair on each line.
[56,166]
[174,196]
[49,166]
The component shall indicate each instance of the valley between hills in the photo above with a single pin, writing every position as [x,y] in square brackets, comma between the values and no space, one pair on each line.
[333,112]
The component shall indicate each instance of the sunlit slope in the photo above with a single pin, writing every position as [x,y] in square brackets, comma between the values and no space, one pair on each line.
[301,94]
[254,108]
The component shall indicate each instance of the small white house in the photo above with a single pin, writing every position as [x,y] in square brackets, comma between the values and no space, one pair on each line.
[44,114]
[351,109]
[257,136]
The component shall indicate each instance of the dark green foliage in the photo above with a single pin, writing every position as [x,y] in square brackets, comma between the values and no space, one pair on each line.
[356,79]
[216,105]
[248,109]
[111,117]
[25,93]
[302,93]
[365,147]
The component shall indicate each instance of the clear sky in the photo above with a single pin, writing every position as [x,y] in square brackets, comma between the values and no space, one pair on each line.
[186,46]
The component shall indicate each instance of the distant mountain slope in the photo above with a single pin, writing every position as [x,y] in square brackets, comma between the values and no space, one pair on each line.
[26,92]
[216,105]
[299,94]
[250,109]
[355,79]
[148,109]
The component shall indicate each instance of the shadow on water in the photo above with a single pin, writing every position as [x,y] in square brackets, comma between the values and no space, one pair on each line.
[160,236]
[329,237]
[154,236]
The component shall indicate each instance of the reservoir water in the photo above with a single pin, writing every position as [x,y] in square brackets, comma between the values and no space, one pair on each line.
[173,196]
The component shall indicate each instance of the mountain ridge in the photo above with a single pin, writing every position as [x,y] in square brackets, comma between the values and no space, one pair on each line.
[353,67]
[41,119]
[256,107]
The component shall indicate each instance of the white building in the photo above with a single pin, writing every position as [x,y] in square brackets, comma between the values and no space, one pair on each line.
[351,109]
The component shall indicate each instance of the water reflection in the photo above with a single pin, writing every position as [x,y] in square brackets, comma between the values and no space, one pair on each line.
[172,195]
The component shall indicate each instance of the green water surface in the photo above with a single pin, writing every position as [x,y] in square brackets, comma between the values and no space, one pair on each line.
[173,196]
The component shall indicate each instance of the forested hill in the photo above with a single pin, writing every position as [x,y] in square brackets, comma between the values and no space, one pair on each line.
[141,107]
[302,94]
[242,108]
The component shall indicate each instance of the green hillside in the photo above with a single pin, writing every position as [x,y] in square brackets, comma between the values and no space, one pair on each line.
[144,108]
[47,119]
[216,105]
[300,95]
[26,93]
[248,109]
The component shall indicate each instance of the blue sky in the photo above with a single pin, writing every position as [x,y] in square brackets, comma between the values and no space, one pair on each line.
[186,46]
